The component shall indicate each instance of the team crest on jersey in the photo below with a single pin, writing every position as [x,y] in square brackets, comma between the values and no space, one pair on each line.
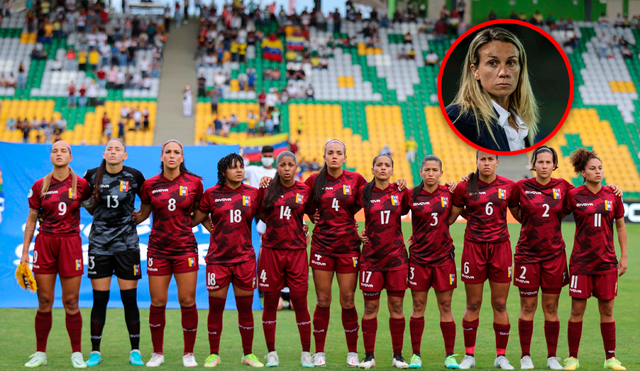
[615,289]
[299,198]
[78,264]
[72,195]
[355,261]
[246,200]
[346,189]
[124,186]
[183,190]
[509,272]
[394,200]
[607,205]
[502,193]
[444,201]
[191,261]
[452,279]
[556,193]
[136,269]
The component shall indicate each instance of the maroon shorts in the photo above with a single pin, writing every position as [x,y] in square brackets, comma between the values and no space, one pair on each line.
[242,275]
[58,253]
[550,275]
[602,286]
[280,268]
[392,281]
[165,266]
[337,264]
[482,261]
[441,278]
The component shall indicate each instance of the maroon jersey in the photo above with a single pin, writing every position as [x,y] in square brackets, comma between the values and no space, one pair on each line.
[285,221]
[593,248]
[232,211]
[172,202]
[431,242]
[487,216]
[336,233]
[386,250]
[59,209]
[540,210]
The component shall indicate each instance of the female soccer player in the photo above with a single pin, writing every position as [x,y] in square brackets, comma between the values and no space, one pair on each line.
[540,258]
[335,247]
[113,244]
[486,253]
[231,257]
[594,265]
[384,263]
[56,200]
[431,258]
[172,196]
[283,256]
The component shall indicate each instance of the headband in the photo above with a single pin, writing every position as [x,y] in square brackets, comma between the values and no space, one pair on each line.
[62,141]
[335,141]
[170,141]
[118,139]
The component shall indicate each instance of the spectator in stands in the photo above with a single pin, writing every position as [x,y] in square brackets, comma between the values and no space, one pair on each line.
[386,150]
[22,77]
[411,55]
[101,75]
[94,59]
[293,91]
[440,30]
[217,126]
[71,100]
[93,92]
[252,119]
[262,99]
[268,123]
[202,88]
[492,16]
[10,124]
[314,165]
[431,59]
[550,21]
[71,60]
[619,20]
[105,121]
[137,119]
[603,43]
[602,20]
[310,92]
[411,146]
[626,52]
[82,96]
[186,101]
[121,128]
[215,99]
[271,99]
[251,78]
[300,125]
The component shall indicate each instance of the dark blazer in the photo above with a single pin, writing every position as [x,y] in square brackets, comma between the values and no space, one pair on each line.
[466,125]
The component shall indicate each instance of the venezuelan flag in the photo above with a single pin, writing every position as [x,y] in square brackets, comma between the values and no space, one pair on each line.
[444,201]
[295,43]
[191,261]
[394,200]
[502,194]
[246,201]
[124,186]
[272,49]
[556,193]
[299,198]
[183,190]
[346,189]
[607,205]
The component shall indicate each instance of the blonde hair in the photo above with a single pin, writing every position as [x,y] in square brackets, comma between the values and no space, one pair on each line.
[472,97]
[46,181]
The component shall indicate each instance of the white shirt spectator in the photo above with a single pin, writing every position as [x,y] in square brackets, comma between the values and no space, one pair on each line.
[56,65]
[293,91]
[120,79]
[112,75]
[210,59]
[124,111]
[137,116]
[219,79]
[432,57]
[272,99]
[146,82]
[144,65]
[94,90]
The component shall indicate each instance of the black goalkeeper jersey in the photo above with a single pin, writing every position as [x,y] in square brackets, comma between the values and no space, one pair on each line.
[114,230]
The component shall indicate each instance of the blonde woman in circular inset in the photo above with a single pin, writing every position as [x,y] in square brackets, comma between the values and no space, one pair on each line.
[495,107]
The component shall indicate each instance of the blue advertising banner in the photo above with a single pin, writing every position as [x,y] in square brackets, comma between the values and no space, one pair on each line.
[23,164]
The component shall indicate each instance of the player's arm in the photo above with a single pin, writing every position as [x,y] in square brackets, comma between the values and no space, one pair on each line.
[622,239]
[515,211]
[199,217]
[142,214]
[28,234]
[456,211]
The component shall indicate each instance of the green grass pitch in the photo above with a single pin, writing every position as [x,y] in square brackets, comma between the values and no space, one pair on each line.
[18,339]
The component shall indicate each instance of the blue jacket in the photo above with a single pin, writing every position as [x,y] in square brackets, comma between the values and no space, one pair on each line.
[466,125]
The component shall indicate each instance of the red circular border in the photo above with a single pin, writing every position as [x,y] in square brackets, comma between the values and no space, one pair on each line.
[497,22]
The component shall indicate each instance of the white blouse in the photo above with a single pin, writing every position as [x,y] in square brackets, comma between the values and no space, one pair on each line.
[516,138]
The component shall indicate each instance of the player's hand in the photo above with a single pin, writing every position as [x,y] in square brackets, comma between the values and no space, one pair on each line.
[305,229]
[25,258]
[451,185]
[466,178]
[622,266]
[401,184]
[316,217]
[363,238]
[264,182]
[616,189]
[410,240]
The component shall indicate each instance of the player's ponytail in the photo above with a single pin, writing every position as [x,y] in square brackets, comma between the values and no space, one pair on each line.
[98,181]
[579,159]
[274,191]
[418,188]
[473,189]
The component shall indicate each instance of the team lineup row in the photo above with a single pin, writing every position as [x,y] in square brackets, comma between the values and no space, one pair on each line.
[331,199]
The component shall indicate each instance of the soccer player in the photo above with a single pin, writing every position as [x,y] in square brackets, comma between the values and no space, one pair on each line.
[335,247]
[486,253]
[431,258]
[231,257]
[283,255]
[113,244]
[172,196]
[594,265]
[384,263]
[540,258]
[56,200]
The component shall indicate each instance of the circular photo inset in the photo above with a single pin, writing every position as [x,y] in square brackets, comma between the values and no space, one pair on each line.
[505,87]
